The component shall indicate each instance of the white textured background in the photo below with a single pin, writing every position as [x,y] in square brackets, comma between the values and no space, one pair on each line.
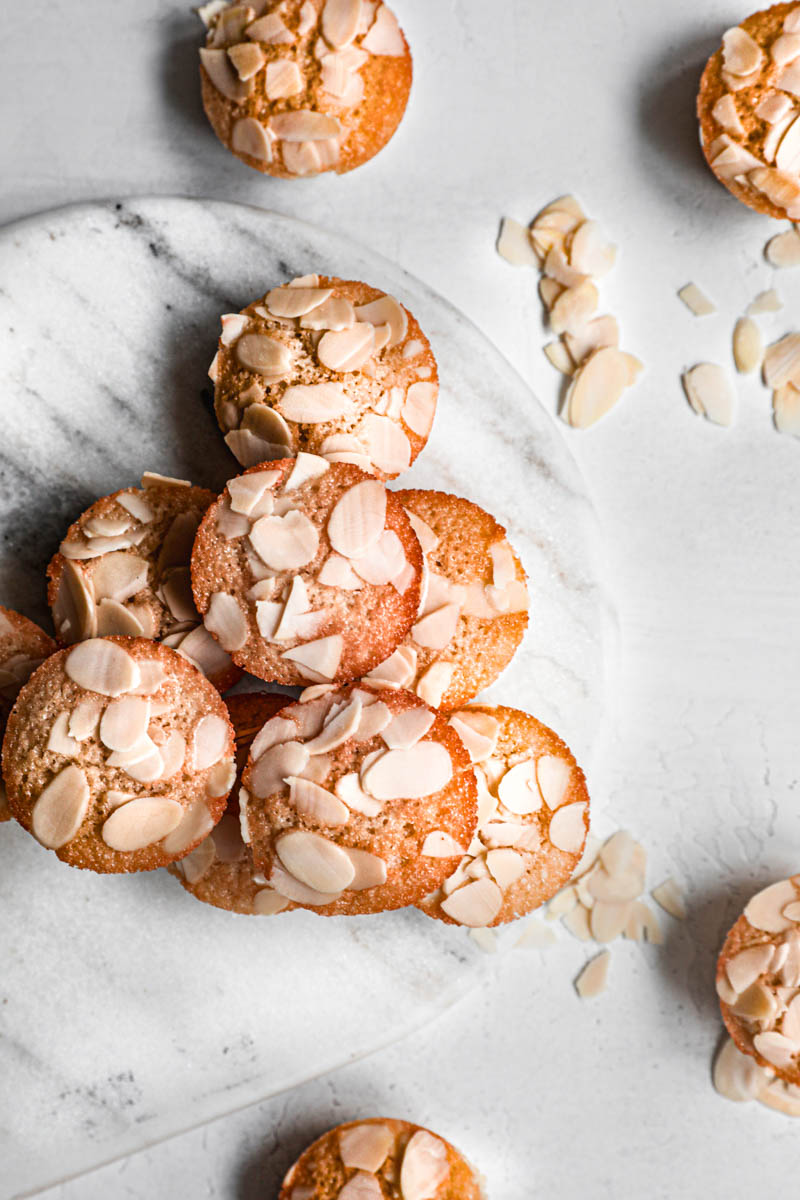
[514,102]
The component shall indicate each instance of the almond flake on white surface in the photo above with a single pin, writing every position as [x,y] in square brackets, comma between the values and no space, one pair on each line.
[598,385]
[558,356]
[562,903]
[643,924]
[60,808]
[594,335]
[590,252]
[594,977]
[696,300]
[577,922]
[574,307]
[784,249]
[725,114]
[668,896]
[549,291]
[536,936]
[786,409]
[782,362]
[557,267]
[710,392]
[748,345]
[514,244]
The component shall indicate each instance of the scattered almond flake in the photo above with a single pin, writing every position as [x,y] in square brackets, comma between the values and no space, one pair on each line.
[589,252]
[577,922]
[786,409]
[593,978]
[748,345]
[784,249]
[562,903]
[486,939]
[668,896]
[514,244]
[549,291]
[710,392]
[696,300]
[557,354]
[537,935]
[598,385]
[782,362]
[765,302]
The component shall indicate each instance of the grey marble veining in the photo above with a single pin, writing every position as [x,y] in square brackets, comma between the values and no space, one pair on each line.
[131,1011]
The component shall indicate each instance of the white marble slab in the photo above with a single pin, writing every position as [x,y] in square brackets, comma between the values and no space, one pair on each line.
[129,1011]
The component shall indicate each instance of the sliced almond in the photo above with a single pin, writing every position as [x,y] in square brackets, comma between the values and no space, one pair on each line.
[594,335]
[558,355]
[408,728]
[766,909]
[440,844]
[370,870]
[744,968]
[101,666]
[358,518]
[335,314]
[115,619]
[119,576]
[141,822]
[506,866]
[778,1050]
[271,29]
[295,301]
[594,977]
[283,79]
[476,904]
[250,137]
[784,250]
[194,826]
[668,896]
[425,1167]
[61,807]
[423,770]
[574,307]
[267,903]
[336,572]
[268,425]
[318,660]
[780,189]
[220,71]
[384,562]
[433,685]
[83,720]
[315,403]
[517,789]
[567,830]
[276,730]
[316,803]
[360,1187]
[125,722]
[397,671]
[210,741]
[384,36]
[340,19]
[304,125]
[696,301]
[741,55]
[553,775]
[478,731]
[737,1076]
[348,789]
[285,543]
[589,251]
[74,609]
[173,754]
[136,505]
[386,443]
[248,491]
[642,923]
[315,861]
[347,349]
[337,730]
[385,311]
[365,1147]
[206,654]
[419,407]
[248,59]
[787,157]
[226,621]
[264,354]
[709,391]
[748,346]
[286,885]
[302,158]
[549,291]
[726,114]
[275,765]
[734,160]
[436,630]
[558,268]
[598,385]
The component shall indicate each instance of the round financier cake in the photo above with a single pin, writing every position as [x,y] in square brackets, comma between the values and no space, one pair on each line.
[381,1159]
[23,648]
[123,568]
[298,87]
[533,817]
[307,571]
[329,366]
[474,609]
[357,801]
[118,755]
[749,111]
[220,870]
[758,979]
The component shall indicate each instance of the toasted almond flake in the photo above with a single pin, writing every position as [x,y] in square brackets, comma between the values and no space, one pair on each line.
[250,137]
[734,160]
[567,830]
[335,314]
[384,562]
[304,125]
[384,36]
[275,765]
[785,49]
[549,291]
[440,844]
[385,311]
[302,158]
[598,385]
[589,252]
[219,70]
[408,728]
[427,538]
[593,978]
[318,660]
[365,1147]
[782,362]
[782,1097]
[774,138]
[101,666]
[668,896]
[780,189]
[419,407]
[74,612]
[744,968]
[286,885]
[285,543]
[778,1050]
[726,114]
[173,754]
[247,492]
[433,685]
[248,59]
[118,576]
[336,572]
[791,23]
[315,861]
[562,204]
[360,1187]
[696,301]
[61,807]
[206,654]
[264,354]
[436,630]
[741,55]
[476,904]
[514,244]
[336,731]
[195,825]
[231,24]
[765,910]
[357,520]
[125,722]
[784,250]
[573,307]
[787,157]
[294,301]
[506,866]
[283,79]
[348,789]
[478,731]
[83,720]
[422,770]
[710,393]
[210,741]
[397,671]
[370,870]
[535,935]
[316,803]
[577,922]
[226,621]
[374,719]
[116,619]
[340,20]
[517,789]
[276,731]
[207,12]
[316,403]
[558,355]
[141,822]
[271,29]
[748,346]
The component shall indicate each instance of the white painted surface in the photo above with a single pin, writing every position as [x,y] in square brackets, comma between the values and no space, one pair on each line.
[514,103]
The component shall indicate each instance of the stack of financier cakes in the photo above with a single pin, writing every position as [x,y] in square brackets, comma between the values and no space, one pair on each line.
[378,786]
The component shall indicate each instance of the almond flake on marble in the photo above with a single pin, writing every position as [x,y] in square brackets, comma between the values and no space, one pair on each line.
[141,822]
[782,362]
[593,978]
[385,311]
[643,924]
[365,1146]
[475,904]
[248,59]
[318,660]
[765,910]
[589,251]
[668,896]
[737,1076]
[220,71]
[101,666]
[608,919]
[725,114]
[710,393]
[784,249]
[271,29]
[408,728]
[431,687]
[696,301]
[397,671]
[598,385]
[384,37]
[567,830]
[617,888]
[264,354]
[576,921]
[748,345]
[423,770]
[594,335]
[357,520]
[315,861]
[741,55]
[61,807]
[316,803]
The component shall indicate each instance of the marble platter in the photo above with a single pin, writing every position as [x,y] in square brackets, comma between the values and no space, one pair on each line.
[127,1010]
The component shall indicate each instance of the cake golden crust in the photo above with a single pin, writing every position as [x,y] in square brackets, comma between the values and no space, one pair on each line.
[23,647]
